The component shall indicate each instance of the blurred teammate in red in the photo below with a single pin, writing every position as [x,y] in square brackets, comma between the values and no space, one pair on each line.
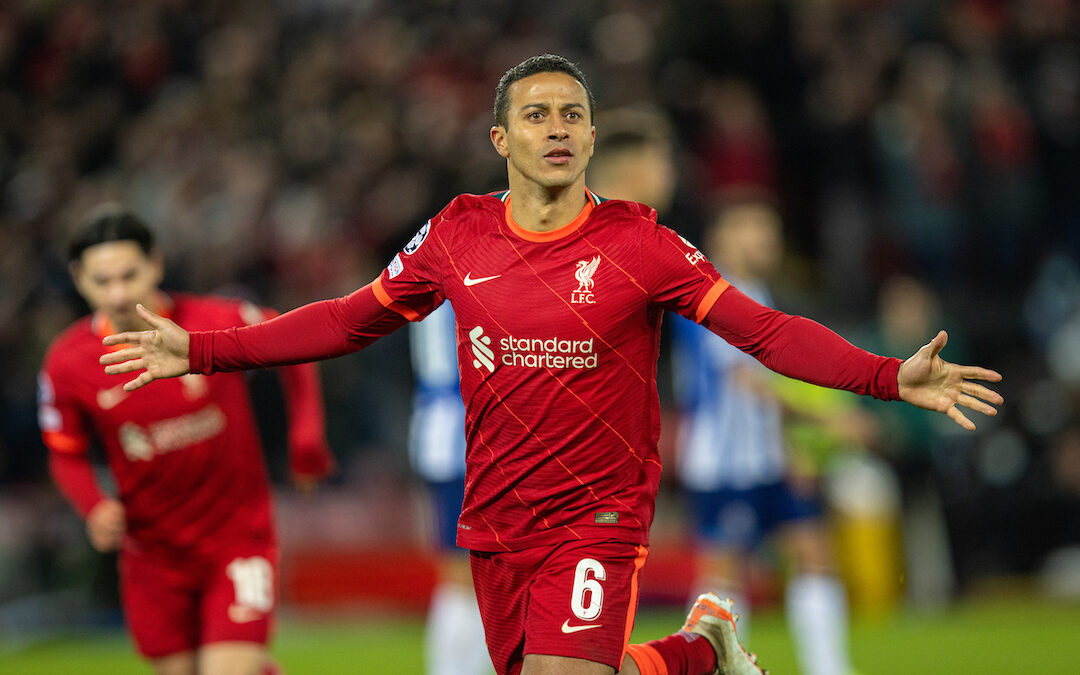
[191,517]
[558,296]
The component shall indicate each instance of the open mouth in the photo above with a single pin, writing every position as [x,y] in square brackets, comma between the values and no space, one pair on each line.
[559,156]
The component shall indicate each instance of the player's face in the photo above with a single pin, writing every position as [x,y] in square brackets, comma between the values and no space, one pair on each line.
[116,275]
[548,138]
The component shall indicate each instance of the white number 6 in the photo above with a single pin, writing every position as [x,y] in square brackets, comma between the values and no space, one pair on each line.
[587,586]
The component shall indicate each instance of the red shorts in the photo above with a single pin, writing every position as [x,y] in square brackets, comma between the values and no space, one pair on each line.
[576,599]
[174,606]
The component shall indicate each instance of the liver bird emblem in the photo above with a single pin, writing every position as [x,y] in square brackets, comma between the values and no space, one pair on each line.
[584,274]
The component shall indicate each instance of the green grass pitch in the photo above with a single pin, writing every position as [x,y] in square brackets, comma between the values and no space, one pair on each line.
[987,639]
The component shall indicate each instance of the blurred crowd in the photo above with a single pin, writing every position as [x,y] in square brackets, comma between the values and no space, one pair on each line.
[925,157]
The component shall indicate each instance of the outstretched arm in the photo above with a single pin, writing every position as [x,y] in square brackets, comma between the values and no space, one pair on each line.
[320,330]
[928,381]
[798,347]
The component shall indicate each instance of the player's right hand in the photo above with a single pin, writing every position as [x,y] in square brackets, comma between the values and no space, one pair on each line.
[106,524]
[159,352]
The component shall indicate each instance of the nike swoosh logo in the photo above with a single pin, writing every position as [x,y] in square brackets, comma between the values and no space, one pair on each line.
[567,628]
[469,281]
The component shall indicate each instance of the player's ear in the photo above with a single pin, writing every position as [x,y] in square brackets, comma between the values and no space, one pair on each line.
[75,270]
[592,141]
[157,261]
[498,139]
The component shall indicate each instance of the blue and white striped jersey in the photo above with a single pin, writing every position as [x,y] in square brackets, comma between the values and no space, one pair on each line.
[437,427]
[730,435]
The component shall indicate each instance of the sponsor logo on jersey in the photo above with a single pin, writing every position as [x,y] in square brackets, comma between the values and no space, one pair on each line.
[481,349]
[584,275]
[417,239]
[172,434]
[395,267]
[551,352]
[694,256]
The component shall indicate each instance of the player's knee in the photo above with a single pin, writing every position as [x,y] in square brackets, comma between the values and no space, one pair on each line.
[233,658]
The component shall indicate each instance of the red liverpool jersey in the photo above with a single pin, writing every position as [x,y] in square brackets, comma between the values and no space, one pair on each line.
[184,454]
[558,336]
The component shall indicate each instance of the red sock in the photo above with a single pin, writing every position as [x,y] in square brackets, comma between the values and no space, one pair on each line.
[681,653]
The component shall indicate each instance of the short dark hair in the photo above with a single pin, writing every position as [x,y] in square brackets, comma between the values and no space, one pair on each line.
[544,63]
[110,222]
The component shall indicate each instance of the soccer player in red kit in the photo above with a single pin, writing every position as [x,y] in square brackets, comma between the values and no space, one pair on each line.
[558,296]
[192,513]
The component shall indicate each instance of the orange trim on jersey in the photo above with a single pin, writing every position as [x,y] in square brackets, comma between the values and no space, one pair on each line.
[631,611]
[58,441]
[710,299]
[647,659]
[393,305]
[557,233]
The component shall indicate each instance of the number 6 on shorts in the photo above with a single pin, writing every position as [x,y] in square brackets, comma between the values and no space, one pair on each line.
[587,578]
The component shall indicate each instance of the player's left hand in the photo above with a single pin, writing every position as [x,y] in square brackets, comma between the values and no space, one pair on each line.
[928,381]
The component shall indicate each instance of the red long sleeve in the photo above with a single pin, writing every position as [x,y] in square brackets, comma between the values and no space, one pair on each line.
[320,330]
[801,348]
[74,476]
[309,453]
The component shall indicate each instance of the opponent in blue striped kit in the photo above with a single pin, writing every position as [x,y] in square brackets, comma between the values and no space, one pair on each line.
[454,639]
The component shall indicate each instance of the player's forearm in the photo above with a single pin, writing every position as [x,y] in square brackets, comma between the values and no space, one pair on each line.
[320,330]
[74,476]
[309,454]
[801,348]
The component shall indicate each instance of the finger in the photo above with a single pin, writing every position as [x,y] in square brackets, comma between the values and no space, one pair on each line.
[977,373]
[129,366]
[141,381]
[938,343]
[120,355]
[132,337]
[977,405]
[985,393]
[155,320]
[958,417]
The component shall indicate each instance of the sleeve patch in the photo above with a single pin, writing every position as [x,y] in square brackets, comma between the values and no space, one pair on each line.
[418,238]
[395,267]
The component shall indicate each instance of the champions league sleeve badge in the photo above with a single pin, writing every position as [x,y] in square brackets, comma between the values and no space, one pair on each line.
[417,239]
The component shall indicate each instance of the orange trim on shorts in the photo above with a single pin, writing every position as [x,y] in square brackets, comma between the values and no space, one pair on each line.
[648,660]
[631,611]
[57,441]
[710,299]
[386,301]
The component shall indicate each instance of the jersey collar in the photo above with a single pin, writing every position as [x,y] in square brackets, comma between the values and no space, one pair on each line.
[590,203]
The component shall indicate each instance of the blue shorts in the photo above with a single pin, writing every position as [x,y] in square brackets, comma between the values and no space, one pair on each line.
[446,498]
[743,518]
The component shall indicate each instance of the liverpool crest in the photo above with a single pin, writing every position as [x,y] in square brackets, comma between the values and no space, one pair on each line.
[584,275]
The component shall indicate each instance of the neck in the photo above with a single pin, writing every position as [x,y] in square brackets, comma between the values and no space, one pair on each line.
[540,209]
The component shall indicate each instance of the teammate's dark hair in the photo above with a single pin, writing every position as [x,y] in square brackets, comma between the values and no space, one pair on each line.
[110,223]
[544,63]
